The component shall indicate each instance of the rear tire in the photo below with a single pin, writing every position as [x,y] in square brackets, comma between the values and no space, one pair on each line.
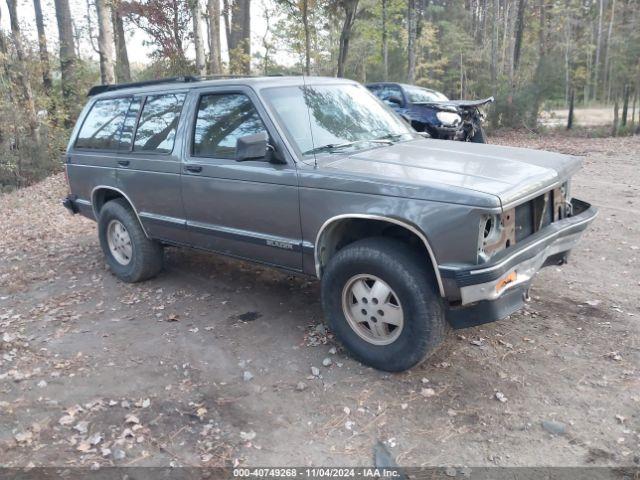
[131,256]
[354,288]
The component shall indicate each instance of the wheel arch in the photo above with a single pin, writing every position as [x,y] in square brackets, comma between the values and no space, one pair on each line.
[332,232]
[102,194]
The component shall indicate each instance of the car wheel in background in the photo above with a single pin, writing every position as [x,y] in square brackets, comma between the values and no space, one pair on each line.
[479,136]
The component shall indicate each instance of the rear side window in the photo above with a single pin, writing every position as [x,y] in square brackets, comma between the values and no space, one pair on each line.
[221,120]
[129,127]
[102,126]
[158,123]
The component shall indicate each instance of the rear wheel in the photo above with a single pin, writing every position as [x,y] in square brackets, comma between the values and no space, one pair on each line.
[380,299]
[131,256]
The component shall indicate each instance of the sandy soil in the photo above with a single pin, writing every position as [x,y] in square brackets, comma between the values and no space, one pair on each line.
[97,372]
[583,117]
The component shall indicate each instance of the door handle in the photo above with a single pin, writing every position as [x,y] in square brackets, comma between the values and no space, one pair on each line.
[193,168]
[123,163]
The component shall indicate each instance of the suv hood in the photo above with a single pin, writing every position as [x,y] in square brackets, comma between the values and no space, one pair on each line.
[508,174]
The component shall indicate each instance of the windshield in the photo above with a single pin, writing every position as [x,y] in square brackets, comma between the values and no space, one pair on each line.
[332,118]
[420,95]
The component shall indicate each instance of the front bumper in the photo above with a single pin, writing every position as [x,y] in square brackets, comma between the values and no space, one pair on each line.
[494,290]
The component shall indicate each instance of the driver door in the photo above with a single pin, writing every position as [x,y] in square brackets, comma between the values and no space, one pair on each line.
[246,209]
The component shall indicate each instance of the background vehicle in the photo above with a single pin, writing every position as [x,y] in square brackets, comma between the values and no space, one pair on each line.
[432,112]
[407,235]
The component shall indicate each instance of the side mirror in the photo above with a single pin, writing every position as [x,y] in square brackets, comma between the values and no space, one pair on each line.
[257,147]
[252,147]
[397,101]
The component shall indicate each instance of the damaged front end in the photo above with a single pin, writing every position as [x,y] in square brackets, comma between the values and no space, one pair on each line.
[512,248]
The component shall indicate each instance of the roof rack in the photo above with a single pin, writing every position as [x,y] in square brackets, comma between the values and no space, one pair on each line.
[98,89]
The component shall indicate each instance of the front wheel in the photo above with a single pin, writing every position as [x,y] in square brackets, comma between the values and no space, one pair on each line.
[479,136]
[380,299]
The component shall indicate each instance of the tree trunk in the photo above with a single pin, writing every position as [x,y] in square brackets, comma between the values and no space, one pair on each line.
[23,73]
[307,37]
[42,45]
[606,87]
[215,59]
[517,48]
[196,16]
[540,68]
[385,43]
[106,42]
[596,66]
[239,36]
[571,102]
[350,9]
[68,58]
[123,71]
[614,130]
[625,106]
[633,111]
[494,43]
[411,41]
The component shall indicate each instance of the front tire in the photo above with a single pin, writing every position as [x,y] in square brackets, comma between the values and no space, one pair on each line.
[131,256]
[380,299]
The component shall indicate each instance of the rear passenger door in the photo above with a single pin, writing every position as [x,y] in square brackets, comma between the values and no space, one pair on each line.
[248,209]
[149,163]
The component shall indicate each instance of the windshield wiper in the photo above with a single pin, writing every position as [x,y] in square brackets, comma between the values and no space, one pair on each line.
[392,137]
[331,147]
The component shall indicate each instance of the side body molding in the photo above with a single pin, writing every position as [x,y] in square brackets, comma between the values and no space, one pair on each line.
[126,197]
[408,226]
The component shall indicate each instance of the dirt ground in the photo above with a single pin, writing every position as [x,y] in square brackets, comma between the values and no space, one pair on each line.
[583,117]
[210,363]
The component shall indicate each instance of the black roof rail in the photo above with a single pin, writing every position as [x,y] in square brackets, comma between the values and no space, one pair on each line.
[98,89]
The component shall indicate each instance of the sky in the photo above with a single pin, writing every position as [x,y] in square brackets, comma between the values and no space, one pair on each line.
[138,52]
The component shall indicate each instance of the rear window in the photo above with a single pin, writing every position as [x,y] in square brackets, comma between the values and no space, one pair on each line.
[102,126]
[158,123]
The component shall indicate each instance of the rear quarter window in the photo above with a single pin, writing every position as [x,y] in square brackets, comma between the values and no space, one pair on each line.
[158,123]
[102,126]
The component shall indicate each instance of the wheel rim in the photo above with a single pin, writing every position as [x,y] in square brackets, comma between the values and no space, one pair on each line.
[119,242]
[372,309]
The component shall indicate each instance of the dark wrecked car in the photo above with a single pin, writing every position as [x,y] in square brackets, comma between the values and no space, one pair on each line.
[432,112]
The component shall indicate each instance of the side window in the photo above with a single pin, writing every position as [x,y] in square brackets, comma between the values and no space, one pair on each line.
[220,121]
[375,89]
[389,91]
[102,126]
[130,124]
[158,123]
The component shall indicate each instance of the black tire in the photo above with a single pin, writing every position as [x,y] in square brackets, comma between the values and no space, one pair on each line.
[409,275]
[479,136]
[147,255]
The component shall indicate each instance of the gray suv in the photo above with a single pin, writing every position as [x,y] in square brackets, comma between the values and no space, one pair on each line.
[408,235]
